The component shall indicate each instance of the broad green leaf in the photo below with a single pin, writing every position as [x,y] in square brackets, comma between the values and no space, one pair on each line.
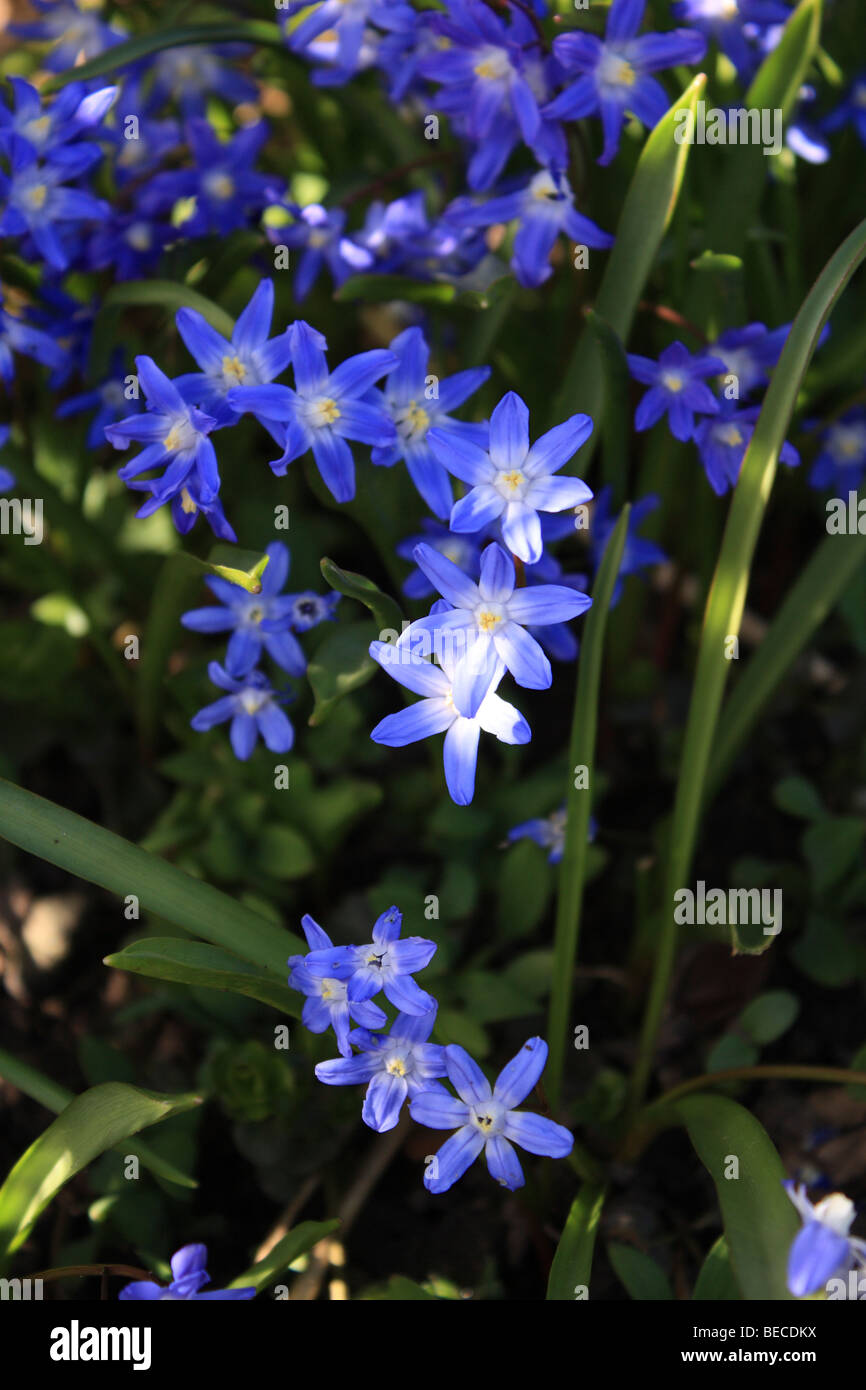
[642,1277]
[827,955]
[726,602]
[572,869]
[798,797]
[718,262]
[832,848]
[572,1263]
[252,31]
[207,967]
[90,1124]
[731,1051]
[403,1290]
[715,1282]
[769,1015]
[341,664]
[98,855]
[56,1098]
[169,295]
[283,853]
[299,1240]
[759,1219]
[385,611]
[524,884]
[374,289]
[646,214]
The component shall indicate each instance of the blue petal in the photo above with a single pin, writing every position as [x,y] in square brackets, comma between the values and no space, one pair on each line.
[384,1101]
[538,1135]
[816,1254]
[517,1079]
[456,1155]
[466,1076]
[503,1163]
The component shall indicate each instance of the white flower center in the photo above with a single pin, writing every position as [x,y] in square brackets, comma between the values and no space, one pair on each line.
[614,70]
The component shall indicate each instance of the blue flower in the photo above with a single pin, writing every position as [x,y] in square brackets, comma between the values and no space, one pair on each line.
[418,403]
[676,389]
[18,336]
[437,714]
[325,409]
[249,359]
[108,400]
[486,1119]
[308,609]
[494,83]
[748,353]
[253,708]
[226,189]
[549,832]
[397,1064]
[190,73]
[722,441]
[39,206]
[47,131]
[464,551]
[327,1004]
[318,233]
[255,621]
[485,623]
[72,32]
[386,963]
[851,110]
[512,481]
[726,21]
[188,1275]
[345,21]
[841,458]
[614,72]
[175,436]
[637,553]
[823,1247]
[545,208]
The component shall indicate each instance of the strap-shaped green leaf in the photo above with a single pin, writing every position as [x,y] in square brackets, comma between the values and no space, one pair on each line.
[98,855]
[90,1124]
[206,967]
[759,1219]
[572,1263]
[299,1240]
[647,211]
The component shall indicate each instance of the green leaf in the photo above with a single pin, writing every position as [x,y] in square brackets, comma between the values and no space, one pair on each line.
[300,1239]
[572,870]
[715,1282]
[833,847]
[207,967]
[341,664]
[572,1263]
[731,1051]
[726,602]
[403,1290]
[524,884]
[90,1124]
[769,1015]
[283,853]
[640,1274]
[646,215]
[376,289]
[90,852]
[798,797]
[169,295]
[253,31]
[56,1098]
[385,611]
[759,1220]
[826,955]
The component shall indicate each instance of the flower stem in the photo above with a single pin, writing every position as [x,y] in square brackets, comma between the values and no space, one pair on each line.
[581,752]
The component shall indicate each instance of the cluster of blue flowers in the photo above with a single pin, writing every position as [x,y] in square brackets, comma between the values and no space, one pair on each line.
[739,361]
[340,983]
[260,623]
